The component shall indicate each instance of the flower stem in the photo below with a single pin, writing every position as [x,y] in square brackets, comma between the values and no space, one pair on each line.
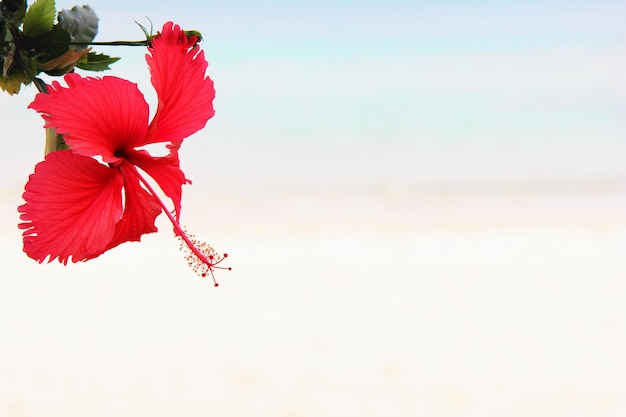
[40,84]
[145,42]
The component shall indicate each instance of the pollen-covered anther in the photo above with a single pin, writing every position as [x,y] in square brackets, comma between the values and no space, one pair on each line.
[201,256]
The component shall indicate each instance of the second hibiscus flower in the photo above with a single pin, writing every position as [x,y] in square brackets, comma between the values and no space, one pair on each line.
[74,209]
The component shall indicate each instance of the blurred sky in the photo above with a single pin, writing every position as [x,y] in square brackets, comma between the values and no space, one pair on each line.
[437,91]
[396,98]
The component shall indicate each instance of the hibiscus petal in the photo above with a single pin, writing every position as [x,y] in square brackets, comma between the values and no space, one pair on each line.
[178,67]
[72,206]
[140,212]
[165,170]
[98,116]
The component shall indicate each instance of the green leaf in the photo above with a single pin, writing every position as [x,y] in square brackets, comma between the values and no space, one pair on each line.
[81,23]
[64,63]
[39,17]
[96,62]
[15,10]
[13,81]
[49,45]
[29,64]
[14,5]
[8,52]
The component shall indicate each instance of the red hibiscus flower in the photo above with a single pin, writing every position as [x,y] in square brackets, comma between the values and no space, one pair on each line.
[78,207]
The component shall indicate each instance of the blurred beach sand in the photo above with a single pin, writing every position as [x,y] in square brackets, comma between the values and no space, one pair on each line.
[456,316]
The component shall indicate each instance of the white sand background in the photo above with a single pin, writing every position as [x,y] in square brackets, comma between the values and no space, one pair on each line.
[482,321]
[451,314]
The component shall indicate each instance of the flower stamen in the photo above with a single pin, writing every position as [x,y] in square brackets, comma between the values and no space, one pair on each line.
[200,256]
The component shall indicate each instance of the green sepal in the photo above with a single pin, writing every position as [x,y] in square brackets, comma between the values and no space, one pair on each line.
[190,33]
[96,62]
[39,17]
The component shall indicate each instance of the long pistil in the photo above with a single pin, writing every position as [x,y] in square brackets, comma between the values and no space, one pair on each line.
[201,256]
